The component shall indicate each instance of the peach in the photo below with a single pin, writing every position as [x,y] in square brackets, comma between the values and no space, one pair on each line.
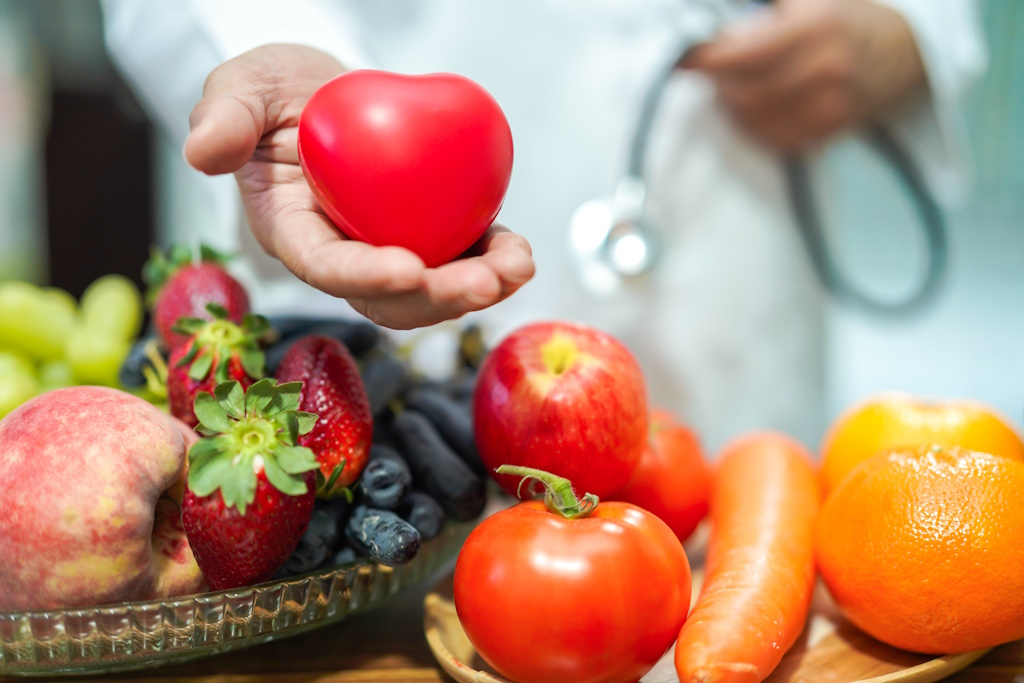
[85,474]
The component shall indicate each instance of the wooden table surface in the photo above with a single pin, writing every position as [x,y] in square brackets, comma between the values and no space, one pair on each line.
[387,645]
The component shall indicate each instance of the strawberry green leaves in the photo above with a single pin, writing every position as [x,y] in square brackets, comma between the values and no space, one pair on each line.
[216,342]
[245,431]
[159,268]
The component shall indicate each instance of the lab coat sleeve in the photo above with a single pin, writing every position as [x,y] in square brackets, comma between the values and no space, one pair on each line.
[932,126]
[165,49]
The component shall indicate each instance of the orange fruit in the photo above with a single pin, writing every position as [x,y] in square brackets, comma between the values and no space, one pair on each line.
[894,421]
[923,549]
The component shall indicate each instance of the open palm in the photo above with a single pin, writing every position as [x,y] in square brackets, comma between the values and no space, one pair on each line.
[246,124]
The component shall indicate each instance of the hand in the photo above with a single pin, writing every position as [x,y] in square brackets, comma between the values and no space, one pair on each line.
[807,69]
[246,124]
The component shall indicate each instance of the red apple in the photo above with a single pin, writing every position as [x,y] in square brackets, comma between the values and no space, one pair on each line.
[84,476]
[564,398]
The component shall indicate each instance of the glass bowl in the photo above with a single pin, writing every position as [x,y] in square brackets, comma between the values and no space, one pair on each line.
[135,635]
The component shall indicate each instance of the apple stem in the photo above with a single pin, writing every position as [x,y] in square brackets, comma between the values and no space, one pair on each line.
[559,497]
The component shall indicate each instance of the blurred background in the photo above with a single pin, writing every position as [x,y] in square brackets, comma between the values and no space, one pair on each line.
[86,186]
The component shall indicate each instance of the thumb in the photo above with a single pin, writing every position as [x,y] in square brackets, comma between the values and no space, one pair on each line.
[227,123]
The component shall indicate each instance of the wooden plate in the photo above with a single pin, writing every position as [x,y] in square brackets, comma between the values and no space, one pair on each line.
[830,650]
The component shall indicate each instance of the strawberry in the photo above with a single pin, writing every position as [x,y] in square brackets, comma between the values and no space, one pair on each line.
[218,350]
[180,287]
[332,388]
[250,488]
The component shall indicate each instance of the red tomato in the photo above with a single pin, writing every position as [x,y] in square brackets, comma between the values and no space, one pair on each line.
[672,479]
[421,162]
[597,598]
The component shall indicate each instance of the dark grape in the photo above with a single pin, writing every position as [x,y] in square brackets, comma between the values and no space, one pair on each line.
[385,479]
[130,375]
[345,556]
[382,535]
[461,387]
[424,513]
[453,422]
[316,545]
[359,336]
[338,508]
[436,469]
[385,377]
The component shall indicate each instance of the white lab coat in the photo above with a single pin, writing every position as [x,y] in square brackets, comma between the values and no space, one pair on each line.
[730,327]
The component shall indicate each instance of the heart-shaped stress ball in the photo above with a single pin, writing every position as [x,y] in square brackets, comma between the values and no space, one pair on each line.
[420,162]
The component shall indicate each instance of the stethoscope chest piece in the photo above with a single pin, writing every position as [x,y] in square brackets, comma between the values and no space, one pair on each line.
[611,241]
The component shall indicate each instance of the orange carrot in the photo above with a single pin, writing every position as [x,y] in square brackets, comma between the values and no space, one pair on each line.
[759,572]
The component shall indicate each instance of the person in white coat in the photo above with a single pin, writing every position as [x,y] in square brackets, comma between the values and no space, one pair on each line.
[729,325]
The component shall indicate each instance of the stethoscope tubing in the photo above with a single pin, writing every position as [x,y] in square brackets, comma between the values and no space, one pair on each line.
[932,222]
[805,211]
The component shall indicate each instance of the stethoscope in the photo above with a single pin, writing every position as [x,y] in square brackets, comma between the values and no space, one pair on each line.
[615,243]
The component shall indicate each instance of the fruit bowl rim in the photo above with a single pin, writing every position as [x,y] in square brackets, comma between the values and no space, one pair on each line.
[371,584]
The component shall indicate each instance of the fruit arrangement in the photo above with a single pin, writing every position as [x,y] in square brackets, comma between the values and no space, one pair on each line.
[909,516]
[385,458]
[228,450]
[918,543]
[49,340]
[239,449]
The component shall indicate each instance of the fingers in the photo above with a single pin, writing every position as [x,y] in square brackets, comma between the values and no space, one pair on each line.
[309,245]
[749,48]
[805,74]
[788,76]
[225,131]
[250,96]
[792,128]
[229,120]
[449,292]
[279,146]
[503,264]
[509,256]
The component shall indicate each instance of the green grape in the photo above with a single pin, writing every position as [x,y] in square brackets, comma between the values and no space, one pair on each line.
[55,374]
[34,321]
[18,381]
[15,363]
[59,298]
[113,304]
[95,356]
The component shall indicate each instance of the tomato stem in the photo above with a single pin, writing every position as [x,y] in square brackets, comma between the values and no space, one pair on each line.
[559,497]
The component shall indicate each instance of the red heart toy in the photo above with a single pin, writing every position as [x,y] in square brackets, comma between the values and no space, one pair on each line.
[420,162]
